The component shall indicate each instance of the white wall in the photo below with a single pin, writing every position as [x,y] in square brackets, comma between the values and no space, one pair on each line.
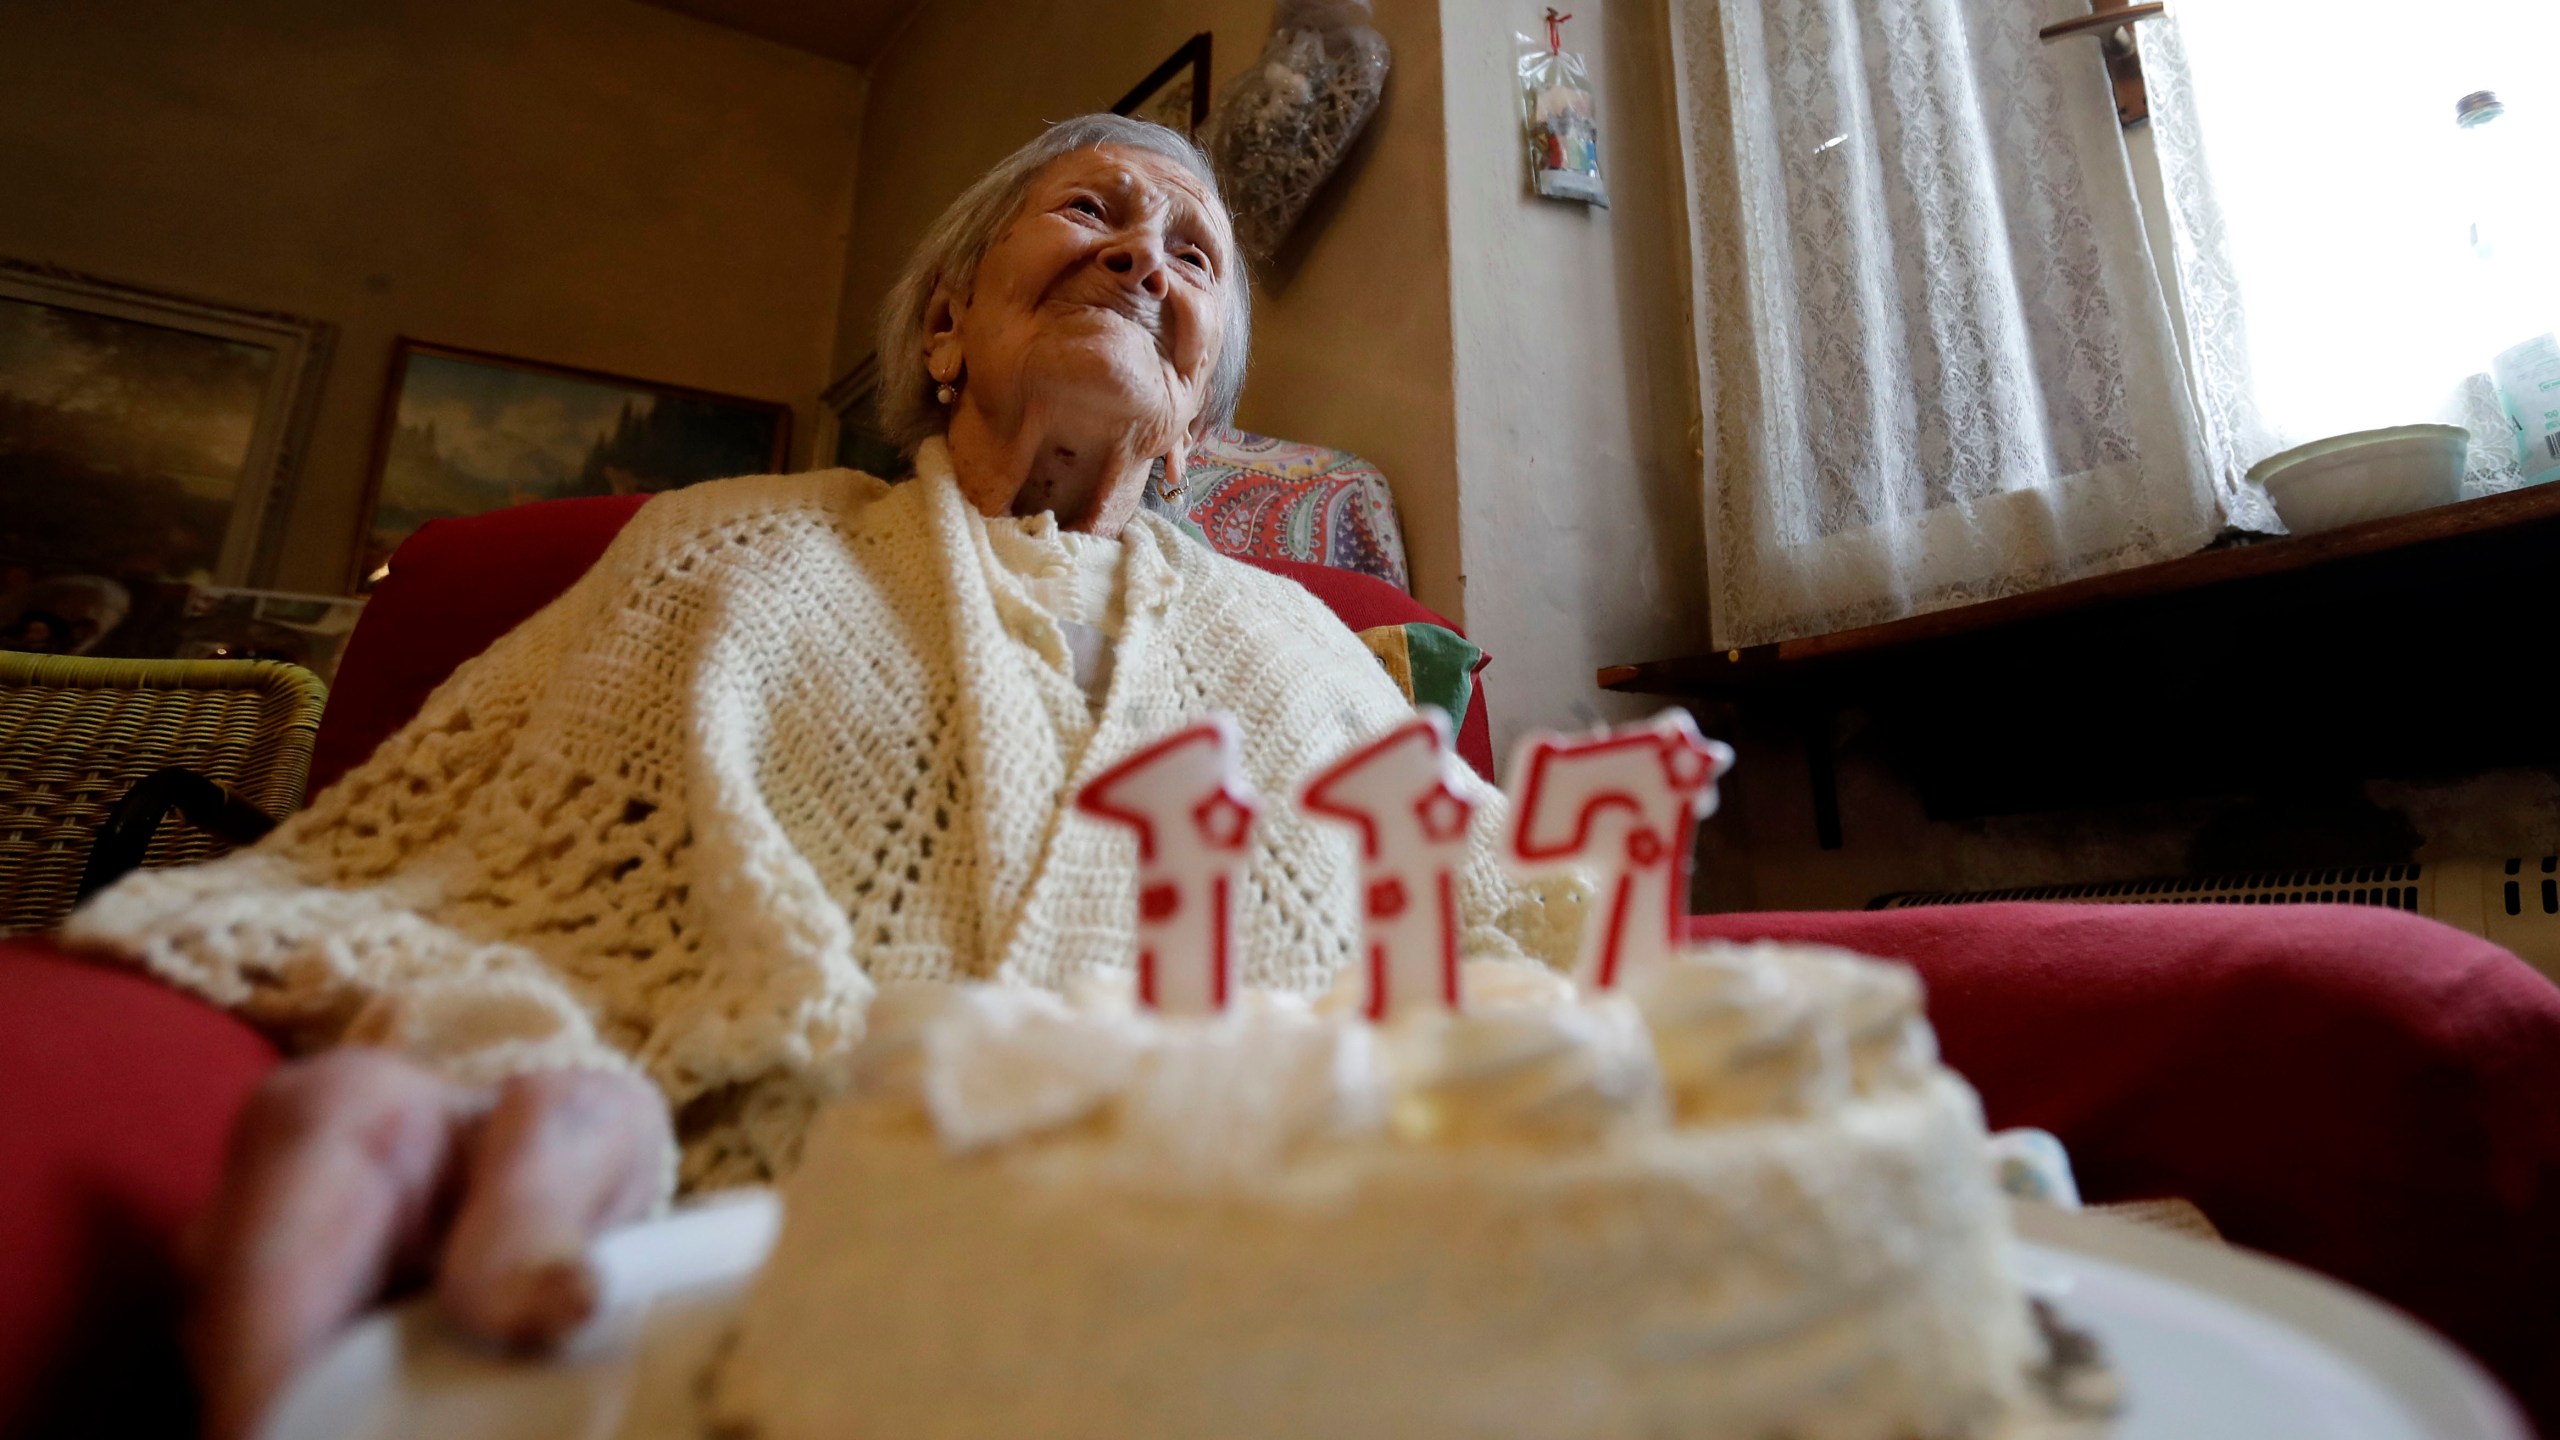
[588,182]
[1579,497]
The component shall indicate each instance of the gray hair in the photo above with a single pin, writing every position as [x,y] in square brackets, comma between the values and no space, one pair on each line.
[951,250]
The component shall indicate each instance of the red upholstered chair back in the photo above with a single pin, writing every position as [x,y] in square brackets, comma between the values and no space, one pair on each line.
[457,585]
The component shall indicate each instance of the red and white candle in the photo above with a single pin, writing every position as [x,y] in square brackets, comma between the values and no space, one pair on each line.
[1621,803]
[1185,797]
[1401,791]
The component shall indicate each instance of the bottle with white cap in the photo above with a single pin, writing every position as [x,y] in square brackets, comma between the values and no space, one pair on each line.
[2516,248]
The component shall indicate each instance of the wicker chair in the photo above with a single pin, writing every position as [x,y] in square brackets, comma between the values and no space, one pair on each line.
[77,734]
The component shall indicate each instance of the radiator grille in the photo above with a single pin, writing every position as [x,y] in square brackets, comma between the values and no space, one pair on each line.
[2513,901]
[2394,887]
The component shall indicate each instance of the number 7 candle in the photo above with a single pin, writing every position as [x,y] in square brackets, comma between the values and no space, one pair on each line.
[1186,797]
[1401,791]
[1622,802]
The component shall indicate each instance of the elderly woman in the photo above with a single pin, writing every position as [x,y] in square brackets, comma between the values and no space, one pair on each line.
[611,908]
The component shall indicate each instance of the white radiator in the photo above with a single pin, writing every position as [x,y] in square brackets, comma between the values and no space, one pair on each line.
[2514,902]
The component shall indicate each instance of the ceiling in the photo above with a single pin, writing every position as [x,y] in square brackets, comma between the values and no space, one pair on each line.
[853,31]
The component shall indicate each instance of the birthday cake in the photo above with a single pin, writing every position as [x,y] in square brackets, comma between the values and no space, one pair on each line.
[1731,1193]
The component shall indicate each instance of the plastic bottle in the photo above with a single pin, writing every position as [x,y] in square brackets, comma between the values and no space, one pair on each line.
[2516,252]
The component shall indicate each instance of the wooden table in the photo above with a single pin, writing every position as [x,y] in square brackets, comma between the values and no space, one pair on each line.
[2422,644]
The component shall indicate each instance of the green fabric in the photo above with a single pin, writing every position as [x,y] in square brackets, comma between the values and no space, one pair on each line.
[1431,664]
[1444,668]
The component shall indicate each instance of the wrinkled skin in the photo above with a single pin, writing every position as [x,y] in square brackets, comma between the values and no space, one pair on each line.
[1085,348]
[1083,353]
[357,1170]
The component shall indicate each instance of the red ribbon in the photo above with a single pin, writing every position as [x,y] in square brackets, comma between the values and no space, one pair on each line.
[1555,30]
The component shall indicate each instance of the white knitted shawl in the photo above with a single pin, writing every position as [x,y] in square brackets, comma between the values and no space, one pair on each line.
[792,735]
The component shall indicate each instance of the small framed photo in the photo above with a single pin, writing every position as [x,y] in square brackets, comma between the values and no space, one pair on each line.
[144,436]
[1175,93]
[464,432]
[850,413]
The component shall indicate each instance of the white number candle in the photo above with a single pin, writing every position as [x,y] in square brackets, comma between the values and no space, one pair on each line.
[1622,803]
[1400,791]
[1186,798]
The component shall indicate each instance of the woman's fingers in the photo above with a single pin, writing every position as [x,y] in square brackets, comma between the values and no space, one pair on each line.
[342,1171]
[564,1155]
[333,1178]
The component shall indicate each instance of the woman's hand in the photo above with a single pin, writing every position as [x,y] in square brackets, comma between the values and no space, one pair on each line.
[357,1169]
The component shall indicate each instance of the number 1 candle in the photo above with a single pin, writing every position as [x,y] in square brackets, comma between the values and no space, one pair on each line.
[1186,797]
[1401,791]
[1623,803]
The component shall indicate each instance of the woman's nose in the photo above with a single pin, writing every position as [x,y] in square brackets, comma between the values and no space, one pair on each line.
[1140,261]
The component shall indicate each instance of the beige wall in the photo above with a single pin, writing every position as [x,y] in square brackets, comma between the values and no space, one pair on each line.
[589,182]
[1351,335]
[1578,483]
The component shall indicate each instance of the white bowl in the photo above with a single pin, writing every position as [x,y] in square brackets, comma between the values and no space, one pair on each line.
[2365,476]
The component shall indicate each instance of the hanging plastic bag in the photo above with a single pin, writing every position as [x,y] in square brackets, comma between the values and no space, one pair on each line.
[1559,118]
[1282,126]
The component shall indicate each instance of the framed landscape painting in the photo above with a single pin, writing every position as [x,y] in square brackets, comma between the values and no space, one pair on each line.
[143,437]
[464,432]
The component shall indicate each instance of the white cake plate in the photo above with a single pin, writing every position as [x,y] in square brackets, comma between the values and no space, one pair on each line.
[2210,1344]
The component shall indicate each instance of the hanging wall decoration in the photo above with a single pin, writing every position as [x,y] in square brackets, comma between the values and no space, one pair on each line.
[1284,124]
[1559,118]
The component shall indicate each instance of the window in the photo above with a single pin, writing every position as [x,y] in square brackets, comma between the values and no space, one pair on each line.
[2318,198]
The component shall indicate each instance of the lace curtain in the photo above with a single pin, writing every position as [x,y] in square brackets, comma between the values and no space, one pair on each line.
[2316,196]
[1932,347]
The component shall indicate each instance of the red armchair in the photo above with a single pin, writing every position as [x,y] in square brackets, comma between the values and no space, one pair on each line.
[2361,1091]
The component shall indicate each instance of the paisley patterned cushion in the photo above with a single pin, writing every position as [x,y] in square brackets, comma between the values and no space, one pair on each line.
[1277,500]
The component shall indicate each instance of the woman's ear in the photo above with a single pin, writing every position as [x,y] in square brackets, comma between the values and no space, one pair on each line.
[942,352]
[1197,433]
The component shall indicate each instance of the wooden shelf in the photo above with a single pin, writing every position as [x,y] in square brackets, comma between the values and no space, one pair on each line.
[1740,673]
[2419,644]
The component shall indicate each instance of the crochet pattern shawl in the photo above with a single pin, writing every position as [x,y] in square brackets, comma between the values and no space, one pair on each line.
[791,736]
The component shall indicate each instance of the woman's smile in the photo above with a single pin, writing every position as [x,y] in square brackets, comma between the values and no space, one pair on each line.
[1117,300]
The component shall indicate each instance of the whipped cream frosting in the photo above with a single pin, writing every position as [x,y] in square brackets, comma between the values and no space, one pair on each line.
[1736,1199]
[1726,1033]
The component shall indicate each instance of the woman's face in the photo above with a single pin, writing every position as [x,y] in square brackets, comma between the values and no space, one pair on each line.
[1091,334]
